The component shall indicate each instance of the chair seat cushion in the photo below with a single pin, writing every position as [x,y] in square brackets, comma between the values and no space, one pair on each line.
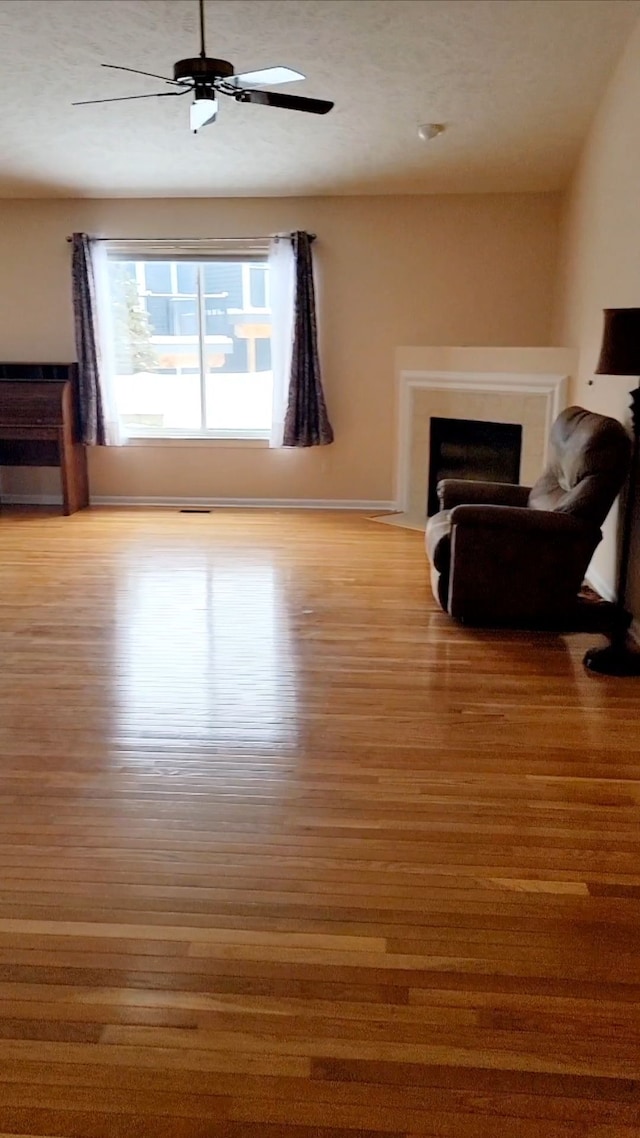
[438,540]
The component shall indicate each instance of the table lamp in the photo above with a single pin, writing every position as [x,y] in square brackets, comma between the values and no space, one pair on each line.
[620,355]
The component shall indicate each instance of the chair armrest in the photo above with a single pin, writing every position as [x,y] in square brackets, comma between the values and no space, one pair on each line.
[522,520]
[460,491]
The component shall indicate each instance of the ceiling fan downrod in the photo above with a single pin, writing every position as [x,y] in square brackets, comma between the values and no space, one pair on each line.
[203,54]
[203,72]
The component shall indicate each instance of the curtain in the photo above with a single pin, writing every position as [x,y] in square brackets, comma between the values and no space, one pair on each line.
[92,319]
[306,422]
[281,286]
[299,411]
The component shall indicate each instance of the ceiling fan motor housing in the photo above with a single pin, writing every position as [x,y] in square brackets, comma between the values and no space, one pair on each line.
[202,69]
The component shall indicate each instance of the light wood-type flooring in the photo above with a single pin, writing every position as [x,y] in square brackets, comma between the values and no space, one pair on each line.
[284,853]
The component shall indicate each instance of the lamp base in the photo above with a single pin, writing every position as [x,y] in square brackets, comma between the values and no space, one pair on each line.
[614,660]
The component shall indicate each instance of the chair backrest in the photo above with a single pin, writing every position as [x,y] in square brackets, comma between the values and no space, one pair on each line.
[589,461]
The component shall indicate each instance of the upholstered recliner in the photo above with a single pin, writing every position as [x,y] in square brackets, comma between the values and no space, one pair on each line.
[517,555]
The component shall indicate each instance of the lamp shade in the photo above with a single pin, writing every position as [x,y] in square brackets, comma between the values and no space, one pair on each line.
[620,351]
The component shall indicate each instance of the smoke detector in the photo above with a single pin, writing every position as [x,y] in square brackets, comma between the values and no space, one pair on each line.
[427,131]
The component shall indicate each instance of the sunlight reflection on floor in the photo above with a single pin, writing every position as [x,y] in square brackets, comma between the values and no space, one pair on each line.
[206,649]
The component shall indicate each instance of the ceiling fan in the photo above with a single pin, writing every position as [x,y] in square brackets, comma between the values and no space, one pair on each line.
[205,78]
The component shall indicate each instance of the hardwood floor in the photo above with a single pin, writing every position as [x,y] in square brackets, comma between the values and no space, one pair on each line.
[287,853]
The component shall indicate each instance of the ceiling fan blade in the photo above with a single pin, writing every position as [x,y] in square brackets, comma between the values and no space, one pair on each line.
[127,98]
[134,71]
[201,113]
[268,77]
[288,102]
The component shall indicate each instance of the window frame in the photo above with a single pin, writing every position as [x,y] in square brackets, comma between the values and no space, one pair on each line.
[247,253]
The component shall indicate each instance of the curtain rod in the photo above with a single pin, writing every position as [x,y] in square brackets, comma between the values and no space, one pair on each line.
[195,240]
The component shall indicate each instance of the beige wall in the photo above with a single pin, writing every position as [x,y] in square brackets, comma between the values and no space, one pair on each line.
[474,269]
[600,259]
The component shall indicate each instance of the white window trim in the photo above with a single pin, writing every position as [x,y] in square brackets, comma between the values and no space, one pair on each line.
[187,433]
[199,252]
[231,442]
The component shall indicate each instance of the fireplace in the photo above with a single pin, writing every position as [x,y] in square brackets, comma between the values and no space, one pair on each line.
[463,383]
[471,448]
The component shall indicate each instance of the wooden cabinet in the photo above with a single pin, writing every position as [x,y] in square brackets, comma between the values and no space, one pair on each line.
[39,425]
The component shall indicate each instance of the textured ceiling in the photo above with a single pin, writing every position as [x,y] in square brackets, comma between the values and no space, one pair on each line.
[516,82]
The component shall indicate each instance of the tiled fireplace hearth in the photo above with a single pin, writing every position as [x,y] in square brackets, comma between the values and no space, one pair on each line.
[516,395]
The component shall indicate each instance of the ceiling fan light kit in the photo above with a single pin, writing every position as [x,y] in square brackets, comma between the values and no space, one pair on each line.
[205,78]
[202,112]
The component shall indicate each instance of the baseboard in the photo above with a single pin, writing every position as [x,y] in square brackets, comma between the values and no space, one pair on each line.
[253,503]
[601,586]
[205,503]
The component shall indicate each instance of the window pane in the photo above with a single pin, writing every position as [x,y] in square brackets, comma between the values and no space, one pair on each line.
[239,377]
[157,364]
[157,276]
[157,345]
[132,327]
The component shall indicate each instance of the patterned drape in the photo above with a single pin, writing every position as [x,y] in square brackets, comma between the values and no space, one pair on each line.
[306,422]
[85,307]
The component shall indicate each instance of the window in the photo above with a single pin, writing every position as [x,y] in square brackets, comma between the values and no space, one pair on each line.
[192,345]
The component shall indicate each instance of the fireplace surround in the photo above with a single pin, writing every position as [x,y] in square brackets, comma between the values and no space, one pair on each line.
[465,387]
